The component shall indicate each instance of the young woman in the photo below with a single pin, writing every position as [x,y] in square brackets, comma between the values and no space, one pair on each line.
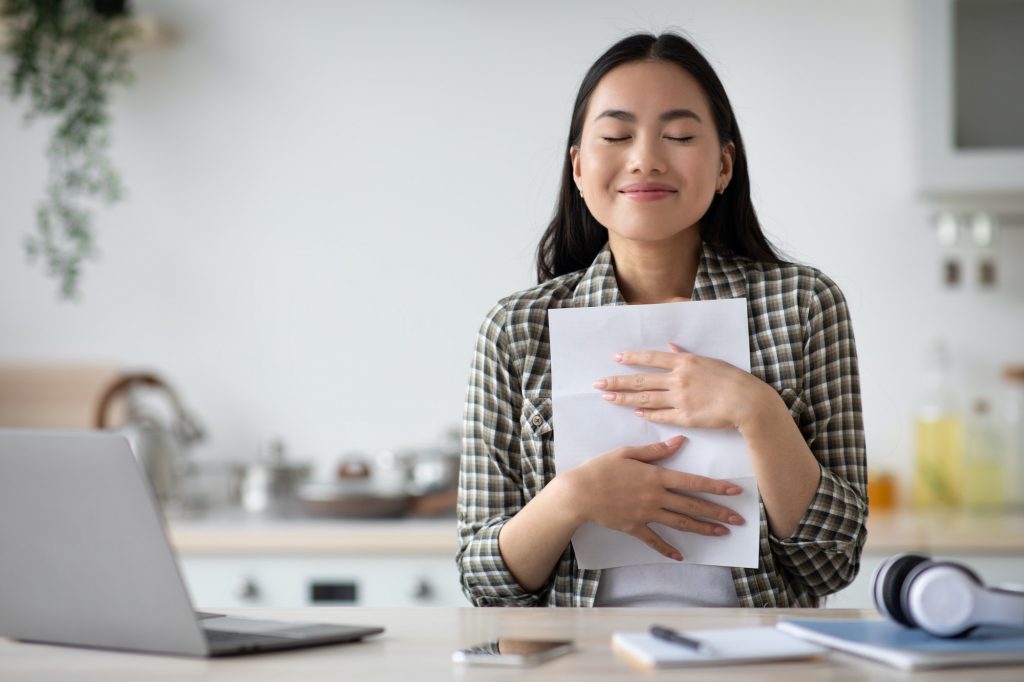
[655,207]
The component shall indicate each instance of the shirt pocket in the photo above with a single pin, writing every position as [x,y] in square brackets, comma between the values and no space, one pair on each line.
[537,435]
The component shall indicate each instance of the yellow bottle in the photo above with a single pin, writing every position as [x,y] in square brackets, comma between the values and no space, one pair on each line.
[984,470]
[939,439]
[938,466]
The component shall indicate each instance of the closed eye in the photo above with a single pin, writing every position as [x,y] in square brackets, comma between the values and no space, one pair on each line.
[615,139]
[688,138]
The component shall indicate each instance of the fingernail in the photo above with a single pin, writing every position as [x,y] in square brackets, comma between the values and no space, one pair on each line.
[736,520]
[618,357]
[609,396]
[638,412]
[673,441]
[734,490]
[600,383]
[720,530]
[677,556]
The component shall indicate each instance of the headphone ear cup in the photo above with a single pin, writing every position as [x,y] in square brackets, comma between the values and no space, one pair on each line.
[887,586]
[938,603]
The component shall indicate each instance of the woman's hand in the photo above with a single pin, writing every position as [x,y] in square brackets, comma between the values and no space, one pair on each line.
[623,490]
[695,391]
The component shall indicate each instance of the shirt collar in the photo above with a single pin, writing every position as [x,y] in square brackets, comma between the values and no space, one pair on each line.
[718,277]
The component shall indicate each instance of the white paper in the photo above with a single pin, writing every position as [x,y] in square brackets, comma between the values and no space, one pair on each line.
[584,342]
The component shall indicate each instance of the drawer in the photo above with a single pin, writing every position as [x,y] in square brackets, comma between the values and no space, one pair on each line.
[298,581]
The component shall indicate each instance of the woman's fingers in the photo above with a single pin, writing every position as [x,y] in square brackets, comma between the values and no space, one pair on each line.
[649,358]
[634,382]
[681,503]
[653,451]
[688,524]
[654,541]
[645,399]
[680,480]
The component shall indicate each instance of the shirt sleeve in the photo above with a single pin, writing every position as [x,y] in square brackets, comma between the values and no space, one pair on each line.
[824,551]
[490,485]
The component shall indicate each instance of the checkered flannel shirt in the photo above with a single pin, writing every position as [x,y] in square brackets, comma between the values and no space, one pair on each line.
[801,343]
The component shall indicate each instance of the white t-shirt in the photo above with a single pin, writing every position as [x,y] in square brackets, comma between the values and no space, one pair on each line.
[674,585]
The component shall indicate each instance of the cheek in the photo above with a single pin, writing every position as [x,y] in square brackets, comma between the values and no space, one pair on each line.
[598,166]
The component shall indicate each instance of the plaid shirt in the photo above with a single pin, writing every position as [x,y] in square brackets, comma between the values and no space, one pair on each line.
[801,343]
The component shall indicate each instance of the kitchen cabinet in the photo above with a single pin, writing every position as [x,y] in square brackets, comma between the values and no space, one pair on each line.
[241,562]
[390,580]
[969,103]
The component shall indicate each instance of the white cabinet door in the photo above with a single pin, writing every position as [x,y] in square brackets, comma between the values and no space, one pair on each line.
[297,581]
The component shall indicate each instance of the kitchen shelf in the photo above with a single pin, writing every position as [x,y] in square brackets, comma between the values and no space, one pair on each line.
[243,536]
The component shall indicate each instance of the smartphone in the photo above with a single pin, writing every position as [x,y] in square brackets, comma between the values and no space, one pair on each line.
[513,652]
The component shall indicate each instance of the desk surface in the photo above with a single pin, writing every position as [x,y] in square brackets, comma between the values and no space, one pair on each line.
[418,643]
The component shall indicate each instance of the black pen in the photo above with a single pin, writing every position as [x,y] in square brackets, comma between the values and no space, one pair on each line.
[670,635]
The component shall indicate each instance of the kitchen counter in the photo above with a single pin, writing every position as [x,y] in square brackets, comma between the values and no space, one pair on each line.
[945,532]
[417,643]
[246,561]
[240,534]
[936,532]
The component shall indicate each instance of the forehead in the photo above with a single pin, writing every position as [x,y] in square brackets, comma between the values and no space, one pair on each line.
[648,87]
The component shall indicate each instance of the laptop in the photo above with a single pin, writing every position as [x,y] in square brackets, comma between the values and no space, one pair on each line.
[85,560]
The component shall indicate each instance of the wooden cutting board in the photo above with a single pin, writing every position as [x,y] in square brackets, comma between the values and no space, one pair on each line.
[52,395]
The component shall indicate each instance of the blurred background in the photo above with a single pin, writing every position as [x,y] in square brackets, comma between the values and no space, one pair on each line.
[324,199]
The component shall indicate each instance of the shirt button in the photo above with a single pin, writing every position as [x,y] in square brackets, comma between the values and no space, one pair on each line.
[537,420]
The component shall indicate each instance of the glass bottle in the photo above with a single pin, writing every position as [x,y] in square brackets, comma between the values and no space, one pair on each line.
[984,475]
[1013,435]
[938,461]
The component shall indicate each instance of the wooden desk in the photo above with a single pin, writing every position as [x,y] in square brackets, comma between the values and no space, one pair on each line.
[418,643]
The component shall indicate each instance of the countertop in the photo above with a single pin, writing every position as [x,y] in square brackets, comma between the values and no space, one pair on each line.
[418,642]
[241,534]
[936,532]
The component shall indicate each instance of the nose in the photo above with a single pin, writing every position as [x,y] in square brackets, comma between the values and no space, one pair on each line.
[647,155]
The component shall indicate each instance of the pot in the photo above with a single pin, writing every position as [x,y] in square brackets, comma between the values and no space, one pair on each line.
[271,485]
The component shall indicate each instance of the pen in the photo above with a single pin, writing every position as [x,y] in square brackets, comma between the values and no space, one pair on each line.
[670,635]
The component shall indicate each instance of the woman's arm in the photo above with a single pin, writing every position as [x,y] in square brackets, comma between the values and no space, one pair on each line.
[704,392]
[622,490]
[809,458]
[508,549]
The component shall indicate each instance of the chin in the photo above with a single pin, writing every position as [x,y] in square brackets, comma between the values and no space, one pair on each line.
[647,233]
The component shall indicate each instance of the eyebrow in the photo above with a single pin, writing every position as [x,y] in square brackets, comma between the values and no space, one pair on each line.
[671,115]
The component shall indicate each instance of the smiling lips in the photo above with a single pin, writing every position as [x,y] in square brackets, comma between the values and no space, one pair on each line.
[647,191]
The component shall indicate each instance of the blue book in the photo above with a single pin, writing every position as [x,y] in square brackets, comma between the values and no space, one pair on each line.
[911,649]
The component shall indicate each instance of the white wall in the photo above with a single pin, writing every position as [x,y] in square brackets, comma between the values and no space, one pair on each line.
[326,197]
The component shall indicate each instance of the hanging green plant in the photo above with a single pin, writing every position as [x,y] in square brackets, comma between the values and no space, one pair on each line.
[67,54]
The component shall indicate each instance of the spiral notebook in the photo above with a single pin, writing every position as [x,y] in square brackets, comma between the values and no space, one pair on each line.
[909,649]
[731,646]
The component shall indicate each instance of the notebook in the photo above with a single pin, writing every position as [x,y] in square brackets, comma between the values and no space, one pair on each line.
[911,649]
[737,645]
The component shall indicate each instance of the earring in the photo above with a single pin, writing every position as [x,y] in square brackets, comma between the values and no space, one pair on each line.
[581,194]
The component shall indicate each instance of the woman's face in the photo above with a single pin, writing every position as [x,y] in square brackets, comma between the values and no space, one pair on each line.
[649,161]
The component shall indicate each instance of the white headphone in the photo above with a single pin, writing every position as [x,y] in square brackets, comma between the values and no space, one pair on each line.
[942,598]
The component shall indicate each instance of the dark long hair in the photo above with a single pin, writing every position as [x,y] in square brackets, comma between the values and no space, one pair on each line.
[574,237]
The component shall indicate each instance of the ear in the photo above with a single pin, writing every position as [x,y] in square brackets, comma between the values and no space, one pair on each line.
[574,159]
[726,162]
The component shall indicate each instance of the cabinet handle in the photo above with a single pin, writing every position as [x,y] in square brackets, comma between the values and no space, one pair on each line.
[422,590]
[249,590]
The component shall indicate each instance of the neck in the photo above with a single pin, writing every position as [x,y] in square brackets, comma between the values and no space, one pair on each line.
[657,272]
